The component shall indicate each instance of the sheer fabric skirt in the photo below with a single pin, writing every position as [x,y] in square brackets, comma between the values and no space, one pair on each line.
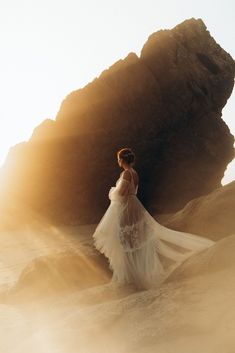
[139,249]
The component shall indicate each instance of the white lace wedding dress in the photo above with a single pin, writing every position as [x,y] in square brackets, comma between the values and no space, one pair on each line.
[139,249]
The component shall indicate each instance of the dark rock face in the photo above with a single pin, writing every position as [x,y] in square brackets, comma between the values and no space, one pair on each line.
[165,105]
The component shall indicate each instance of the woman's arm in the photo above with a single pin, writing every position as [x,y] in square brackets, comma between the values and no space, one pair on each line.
[122,187]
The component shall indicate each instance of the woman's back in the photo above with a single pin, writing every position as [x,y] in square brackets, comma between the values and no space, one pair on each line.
[135,177]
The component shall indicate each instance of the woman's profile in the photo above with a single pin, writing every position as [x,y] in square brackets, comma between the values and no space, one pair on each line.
[139,249]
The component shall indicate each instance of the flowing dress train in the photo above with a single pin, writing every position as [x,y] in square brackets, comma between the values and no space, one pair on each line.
[139,249]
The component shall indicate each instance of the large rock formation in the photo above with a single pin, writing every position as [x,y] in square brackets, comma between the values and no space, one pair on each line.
[166,105]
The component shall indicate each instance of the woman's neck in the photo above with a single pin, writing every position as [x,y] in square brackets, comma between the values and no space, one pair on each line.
[127,167]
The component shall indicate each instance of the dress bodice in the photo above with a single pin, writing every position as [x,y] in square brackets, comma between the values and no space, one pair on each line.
[132,188]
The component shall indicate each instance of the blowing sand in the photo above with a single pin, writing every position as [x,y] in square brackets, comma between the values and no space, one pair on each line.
[192,312]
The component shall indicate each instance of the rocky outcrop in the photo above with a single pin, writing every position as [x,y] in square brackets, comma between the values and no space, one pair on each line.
[58,273]
[211,215]
[166,105]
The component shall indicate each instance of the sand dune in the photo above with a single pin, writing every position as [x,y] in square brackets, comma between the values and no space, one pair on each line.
[210,215]
[193,311]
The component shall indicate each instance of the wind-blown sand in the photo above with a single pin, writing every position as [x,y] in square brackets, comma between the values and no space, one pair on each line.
[192,312]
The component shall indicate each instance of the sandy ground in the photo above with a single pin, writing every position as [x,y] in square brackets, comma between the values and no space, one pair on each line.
[192,312]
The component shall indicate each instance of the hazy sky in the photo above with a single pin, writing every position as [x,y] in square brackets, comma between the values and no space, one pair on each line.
[52,47]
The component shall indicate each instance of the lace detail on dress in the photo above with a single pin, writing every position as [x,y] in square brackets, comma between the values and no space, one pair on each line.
[130,237]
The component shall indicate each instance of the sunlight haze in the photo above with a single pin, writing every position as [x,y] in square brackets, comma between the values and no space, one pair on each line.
[50,48]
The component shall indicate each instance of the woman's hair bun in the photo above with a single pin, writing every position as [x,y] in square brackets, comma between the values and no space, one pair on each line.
[127,155]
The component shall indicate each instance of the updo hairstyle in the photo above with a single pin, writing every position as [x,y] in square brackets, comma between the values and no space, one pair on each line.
[127,155]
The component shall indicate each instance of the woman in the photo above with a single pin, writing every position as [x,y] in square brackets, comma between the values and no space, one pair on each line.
[140,250]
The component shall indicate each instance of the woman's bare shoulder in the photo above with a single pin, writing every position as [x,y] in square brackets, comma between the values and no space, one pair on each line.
[126,175]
